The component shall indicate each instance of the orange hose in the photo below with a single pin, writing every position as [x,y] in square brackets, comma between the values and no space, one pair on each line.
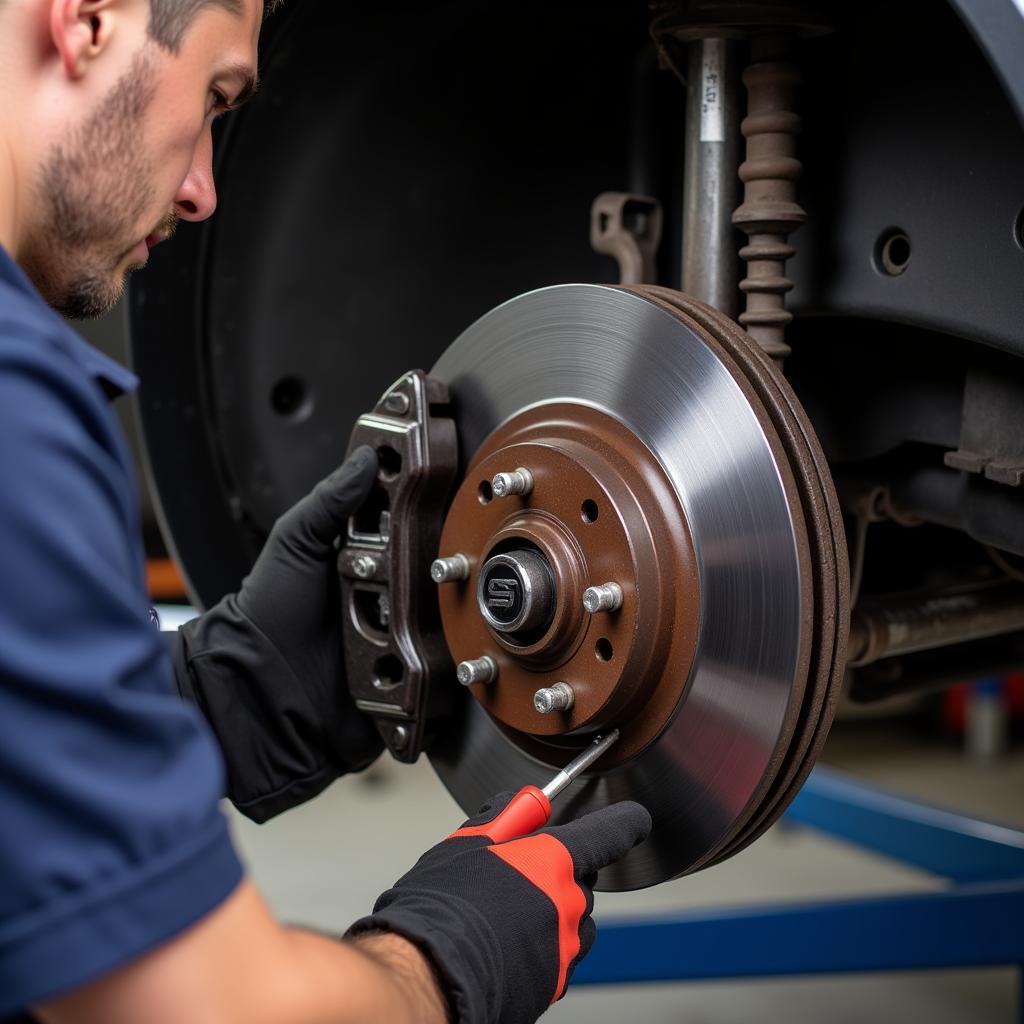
[164,580]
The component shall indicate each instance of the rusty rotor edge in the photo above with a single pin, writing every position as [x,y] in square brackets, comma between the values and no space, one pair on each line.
[819,504]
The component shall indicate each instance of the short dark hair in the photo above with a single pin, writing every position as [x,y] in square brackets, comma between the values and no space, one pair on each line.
[169,19]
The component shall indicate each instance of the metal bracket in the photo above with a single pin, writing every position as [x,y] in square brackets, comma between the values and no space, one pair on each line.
[628,228]
[394,647]
[992,432]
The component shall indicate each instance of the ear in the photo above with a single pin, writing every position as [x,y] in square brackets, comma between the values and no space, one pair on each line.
[80,31]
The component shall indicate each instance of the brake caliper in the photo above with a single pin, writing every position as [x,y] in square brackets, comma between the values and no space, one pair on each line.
[398,667]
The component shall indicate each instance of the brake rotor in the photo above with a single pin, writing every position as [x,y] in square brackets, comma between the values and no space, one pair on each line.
[666,455]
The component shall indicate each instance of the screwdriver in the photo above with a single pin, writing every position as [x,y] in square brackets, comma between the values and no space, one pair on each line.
[530,808]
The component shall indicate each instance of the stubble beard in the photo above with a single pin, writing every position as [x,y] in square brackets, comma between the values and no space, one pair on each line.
[94,190]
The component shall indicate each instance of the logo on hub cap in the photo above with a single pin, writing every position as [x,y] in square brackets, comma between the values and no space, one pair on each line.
[503,594]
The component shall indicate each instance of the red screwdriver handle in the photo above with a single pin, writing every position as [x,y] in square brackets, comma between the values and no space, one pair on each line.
[526,812]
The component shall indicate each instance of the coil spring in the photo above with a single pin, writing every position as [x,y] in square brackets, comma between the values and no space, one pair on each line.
[769,211]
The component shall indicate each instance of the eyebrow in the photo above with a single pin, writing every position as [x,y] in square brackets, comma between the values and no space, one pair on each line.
[249,83]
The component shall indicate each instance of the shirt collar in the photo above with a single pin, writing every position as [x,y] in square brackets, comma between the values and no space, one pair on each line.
[112,377]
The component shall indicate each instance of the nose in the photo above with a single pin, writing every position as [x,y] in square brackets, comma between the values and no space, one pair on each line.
[196,198]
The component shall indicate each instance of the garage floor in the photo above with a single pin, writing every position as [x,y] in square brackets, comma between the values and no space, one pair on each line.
[323,864]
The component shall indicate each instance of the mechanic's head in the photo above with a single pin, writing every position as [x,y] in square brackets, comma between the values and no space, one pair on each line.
[105,140]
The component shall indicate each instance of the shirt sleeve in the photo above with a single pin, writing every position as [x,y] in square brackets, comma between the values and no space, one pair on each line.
[111,837]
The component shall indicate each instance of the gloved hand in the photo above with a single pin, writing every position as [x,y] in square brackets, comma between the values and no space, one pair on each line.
[266,665]
[506,923]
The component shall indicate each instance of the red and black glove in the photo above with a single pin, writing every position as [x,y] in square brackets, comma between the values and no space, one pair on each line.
[505,923]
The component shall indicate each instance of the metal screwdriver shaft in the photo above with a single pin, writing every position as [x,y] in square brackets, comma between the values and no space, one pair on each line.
[530,808]
[578,765]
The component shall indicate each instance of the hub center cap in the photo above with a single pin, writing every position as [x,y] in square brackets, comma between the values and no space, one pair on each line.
[516,594]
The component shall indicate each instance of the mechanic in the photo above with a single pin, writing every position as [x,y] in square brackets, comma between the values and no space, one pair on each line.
[121,898]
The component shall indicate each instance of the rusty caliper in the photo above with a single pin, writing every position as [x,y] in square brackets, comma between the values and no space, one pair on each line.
[394,647]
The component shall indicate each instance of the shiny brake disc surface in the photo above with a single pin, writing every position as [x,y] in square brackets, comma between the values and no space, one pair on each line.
[704,777]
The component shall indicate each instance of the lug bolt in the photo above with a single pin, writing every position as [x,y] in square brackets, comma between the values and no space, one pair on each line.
[479,670]
[519,481]
[606,597]
[450,569]
[553,698]
[364,566]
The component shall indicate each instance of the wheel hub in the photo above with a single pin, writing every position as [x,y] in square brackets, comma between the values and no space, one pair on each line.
[600,510]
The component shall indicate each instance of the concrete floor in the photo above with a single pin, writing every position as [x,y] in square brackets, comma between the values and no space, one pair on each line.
[323,864]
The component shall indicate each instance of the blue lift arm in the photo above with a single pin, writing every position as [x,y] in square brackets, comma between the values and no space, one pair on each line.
[978,920]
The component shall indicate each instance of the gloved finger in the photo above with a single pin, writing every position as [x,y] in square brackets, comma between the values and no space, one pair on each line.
[490,809]
[321,515]
[588,932]
[602,837]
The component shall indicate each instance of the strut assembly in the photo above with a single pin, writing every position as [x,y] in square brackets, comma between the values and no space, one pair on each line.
[711,32]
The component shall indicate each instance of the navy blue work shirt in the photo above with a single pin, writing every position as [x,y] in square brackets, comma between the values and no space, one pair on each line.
[111,837]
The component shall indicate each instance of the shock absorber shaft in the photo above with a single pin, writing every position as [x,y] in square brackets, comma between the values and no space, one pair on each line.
[710,187]
[769,173]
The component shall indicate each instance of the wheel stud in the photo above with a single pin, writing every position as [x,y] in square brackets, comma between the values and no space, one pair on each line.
[519,481]
[479,670]
[450,570]
[558,697]
[606,597]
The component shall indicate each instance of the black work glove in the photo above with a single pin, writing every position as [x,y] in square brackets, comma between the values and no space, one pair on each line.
[506,923]
[266,665]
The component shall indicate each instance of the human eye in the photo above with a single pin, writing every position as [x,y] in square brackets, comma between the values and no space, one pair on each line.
[218,104]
